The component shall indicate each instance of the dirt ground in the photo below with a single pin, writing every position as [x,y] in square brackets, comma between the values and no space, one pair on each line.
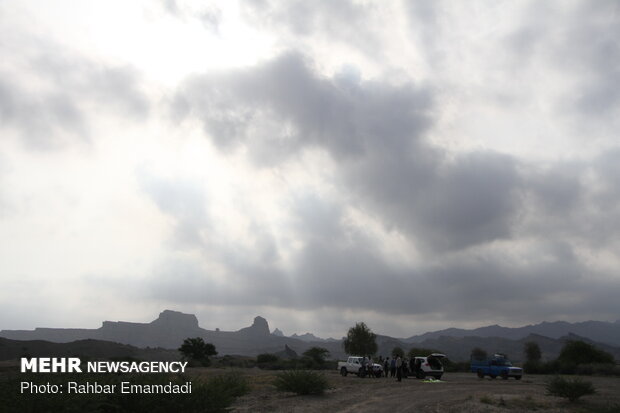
[457,392]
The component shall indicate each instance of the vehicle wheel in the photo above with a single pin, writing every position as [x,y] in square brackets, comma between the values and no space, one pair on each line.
[439,377]
[517,377]
[343,372]
[492,376]
[504,376]
[378,374]
[480,374]
[420,375]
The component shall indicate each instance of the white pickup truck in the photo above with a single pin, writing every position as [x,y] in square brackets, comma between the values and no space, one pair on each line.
[353,365]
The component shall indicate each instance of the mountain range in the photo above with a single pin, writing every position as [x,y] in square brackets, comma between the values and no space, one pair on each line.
[604,332]
[171,327]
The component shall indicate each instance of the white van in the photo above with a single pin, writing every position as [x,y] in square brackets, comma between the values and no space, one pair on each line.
[428,366]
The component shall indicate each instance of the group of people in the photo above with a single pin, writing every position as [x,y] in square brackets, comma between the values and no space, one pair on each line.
[397,366]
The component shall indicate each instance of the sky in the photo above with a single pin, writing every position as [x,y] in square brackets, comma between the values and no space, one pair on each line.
[415,165]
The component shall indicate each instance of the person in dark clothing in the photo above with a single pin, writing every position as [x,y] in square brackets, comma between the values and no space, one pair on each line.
[393,368]
[386,366]
[399,369]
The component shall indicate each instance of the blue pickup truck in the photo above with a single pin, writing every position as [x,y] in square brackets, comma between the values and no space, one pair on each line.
[499,365]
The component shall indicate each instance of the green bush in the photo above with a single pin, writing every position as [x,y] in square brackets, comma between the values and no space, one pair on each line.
[532,367]
[486,400]
[571,389]
[317,355]
[197,352]
[233,384]
[397,351]
[266,358]
[235,361]
[301,382]
[579,352]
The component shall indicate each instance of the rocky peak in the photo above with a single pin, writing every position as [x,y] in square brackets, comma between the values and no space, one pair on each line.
[259,327]
[278,332]
[176,319]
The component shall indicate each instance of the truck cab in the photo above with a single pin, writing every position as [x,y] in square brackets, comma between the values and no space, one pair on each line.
[354,365]
[497,366]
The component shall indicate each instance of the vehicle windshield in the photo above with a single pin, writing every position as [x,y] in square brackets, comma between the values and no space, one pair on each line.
[504,362]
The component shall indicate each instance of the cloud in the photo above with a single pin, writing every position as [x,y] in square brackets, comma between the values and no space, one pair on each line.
[374,132]
[56,94]
[576,40]
[455,163]
[208,14]
[185,201]
[484,221]
[345,22]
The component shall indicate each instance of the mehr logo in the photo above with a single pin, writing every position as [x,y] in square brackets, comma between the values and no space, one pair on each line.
[51,365]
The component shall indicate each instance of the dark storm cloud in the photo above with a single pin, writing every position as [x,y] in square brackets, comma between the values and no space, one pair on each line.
[499,236]
[374,132]
[576,201]
[340,267]
[57,93]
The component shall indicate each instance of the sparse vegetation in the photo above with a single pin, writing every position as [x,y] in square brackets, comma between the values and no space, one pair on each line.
[301,382]
[532,351]
[196,351]
[571,389]
[360,341]
[234,361]
[398,352]
[315,357]
[579,352]
[518,403]
[266,358]
[234,384]
[478,354]
[576,357]
[533,355]
[486,400]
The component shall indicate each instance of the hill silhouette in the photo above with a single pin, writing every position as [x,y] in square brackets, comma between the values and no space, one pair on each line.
[169,330]
[171,327]
[95,349]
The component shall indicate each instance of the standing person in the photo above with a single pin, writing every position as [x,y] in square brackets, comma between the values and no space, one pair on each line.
[399,369]
[386,366]
[364,363]
[393,367]
[371,372]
